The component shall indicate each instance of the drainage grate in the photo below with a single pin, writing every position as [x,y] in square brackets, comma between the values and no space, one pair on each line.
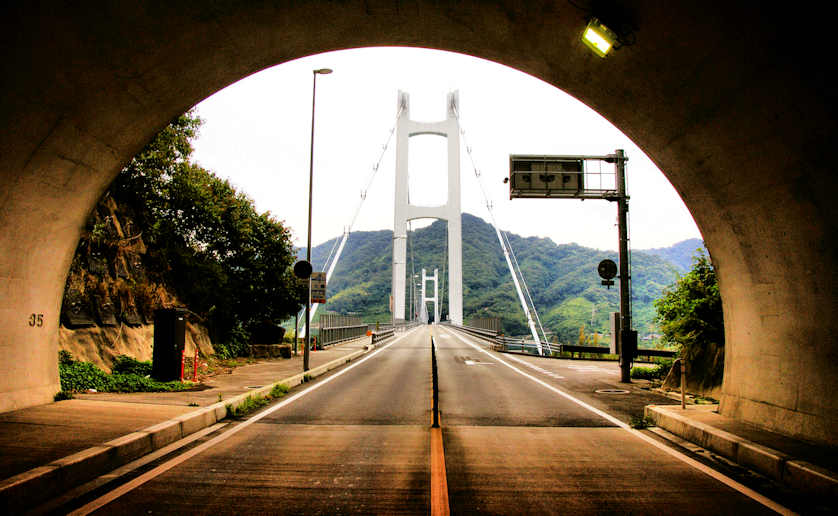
[611,391]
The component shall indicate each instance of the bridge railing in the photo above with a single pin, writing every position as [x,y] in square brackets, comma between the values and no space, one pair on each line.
[340,328]
[502,343]
[385,331]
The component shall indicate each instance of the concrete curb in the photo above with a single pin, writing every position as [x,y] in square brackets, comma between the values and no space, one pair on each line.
[41,483]
[778,466]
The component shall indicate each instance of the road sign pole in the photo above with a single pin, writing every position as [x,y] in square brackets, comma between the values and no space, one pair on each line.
[626,349]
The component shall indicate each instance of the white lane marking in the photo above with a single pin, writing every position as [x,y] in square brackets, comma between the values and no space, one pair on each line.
[592,369]
[724,479]
[159,470]
[474,362]
[539,369]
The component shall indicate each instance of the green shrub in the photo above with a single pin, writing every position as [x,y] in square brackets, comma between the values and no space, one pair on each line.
[83,376]
[690,316]
[123,364]
[137,383]
[656,372]
[238,344]
[279,390]
[62,395]
[249,405]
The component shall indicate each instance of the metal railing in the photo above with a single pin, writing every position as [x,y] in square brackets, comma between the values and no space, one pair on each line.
[339,328]
[385,331]
[502,343]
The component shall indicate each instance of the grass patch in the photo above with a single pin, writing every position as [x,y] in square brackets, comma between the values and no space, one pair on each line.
[252,403]
[279,390]
[656,372]
[247,406]
[79,376]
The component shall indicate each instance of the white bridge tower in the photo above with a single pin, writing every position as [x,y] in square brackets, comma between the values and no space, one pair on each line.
[450,211]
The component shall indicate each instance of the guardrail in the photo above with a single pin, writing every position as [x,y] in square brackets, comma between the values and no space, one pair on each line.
[339,328]
[382,334]
[503,343]
[386,331]
[643,352]
[490,335]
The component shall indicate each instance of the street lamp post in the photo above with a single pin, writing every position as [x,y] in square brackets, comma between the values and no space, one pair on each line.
[306,351]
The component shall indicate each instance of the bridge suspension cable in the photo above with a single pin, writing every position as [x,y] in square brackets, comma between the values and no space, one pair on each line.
[524,285]
[334,255]
[517,277]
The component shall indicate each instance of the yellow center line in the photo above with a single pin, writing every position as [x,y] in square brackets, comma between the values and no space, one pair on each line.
[439,480]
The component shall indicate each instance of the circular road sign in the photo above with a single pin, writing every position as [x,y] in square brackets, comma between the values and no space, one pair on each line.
[607,269]
[302,269]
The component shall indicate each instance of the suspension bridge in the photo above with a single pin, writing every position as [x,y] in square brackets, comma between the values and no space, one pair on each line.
[409,300]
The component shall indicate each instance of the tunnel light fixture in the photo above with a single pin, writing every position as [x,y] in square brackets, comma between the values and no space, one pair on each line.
[599,38]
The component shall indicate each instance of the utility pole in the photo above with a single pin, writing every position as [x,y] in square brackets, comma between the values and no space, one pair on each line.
[628,338]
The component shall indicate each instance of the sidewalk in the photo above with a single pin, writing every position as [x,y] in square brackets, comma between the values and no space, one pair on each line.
[49,448]
[805,467]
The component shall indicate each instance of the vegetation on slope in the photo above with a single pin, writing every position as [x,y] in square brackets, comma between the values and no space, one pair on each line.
[690,316]
[562,279]
[202,241]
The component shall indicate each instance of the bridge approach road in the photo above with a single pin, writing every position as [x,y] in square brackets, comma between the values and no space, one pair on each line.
[358,441]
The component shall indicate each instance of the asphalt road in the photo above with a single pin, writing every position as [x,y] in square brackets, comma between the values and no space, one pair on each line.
[358,442]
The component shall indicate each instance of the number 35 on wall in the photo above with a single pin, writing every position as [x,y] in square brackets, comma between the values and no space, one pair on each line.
[36,320]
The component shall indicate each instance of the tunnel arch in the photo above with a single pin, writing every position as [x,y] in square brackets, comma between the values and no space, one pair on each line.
[735,114]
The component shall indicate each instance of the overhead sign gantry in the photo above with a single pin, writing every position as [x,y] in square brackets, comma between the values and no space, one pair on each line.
[533,176]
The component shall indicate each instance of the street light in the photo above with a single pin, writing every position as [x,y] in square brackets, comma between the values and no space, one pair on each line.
[599,38]
[306,351]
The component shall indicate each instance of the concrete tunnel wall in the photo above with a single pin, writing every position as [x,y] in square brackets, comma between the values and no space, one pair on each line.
[726,101]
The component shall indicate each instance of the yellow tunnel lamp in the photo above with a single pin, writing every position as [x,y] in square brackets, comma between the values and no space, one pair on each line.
[599,38]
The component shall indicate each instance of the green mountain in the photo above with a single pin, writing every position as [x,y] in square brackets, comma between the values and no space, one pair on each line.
[562,279]
[680,254]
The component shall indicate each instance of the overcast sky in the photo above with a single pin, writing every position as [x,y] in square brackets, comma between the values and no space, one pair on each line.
[257,132]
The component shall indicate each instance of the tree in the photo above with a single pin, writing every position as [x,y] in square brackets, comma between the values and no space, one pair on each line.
[690,316]
[226,261]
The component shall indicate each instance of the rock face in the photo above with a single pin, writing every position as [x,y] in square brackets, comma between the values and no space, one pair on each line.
[110,297]
[101,344]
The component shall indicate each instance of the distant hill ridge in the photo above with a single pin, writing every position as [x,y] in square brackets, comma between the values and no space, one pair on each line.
[680,254]
[562,279]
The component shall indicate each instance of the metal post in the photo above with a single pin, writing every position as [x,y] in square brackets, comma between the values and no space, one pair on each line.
[310,189]
[625,278]
[683,383]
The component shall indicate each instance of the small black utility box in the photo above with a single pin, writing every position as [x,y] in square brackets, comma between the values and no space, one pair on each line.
[169,340]
[628,343]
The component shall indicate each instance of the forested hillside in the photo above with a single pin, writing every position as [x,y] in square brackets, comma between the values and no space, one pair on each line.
[680,254]
[170,233]
[562,278]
